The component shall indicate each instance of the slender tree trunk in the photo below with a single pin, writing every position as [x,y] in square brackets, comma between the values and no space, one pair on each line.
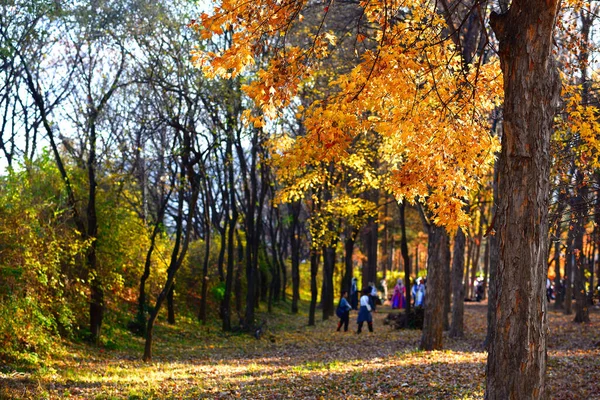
[231,228]
[476,252]
[582,313]
[205,278]
[181,243]
[327,300]
[516,364]
[348,252]
[494,262]
[405,256]
[469,268]
[592,264]
[458,289]
[447,283]
[558,285]
[171,305]
[433,324]
[295,249]
[370,239]
[568,278]
[486,267]
[416,261]
[239,270]
[314,291]
[97,290]
[140,323]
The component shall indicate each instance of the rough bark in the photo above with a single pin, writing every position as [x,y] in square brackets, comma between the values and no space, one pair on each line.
[458,289]
[433,323]
[516,364]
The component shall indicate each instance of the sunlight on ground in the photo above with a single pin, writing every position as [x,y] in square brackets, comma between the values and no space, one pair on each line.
[305,363]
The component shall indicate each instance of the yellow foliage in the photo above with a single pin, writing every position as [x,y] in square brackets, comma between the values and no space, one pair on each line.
[430,111]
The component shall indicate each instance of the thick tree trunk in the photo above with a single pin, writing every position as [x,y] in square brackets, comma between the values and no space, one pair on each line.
[433,324]
[516,364]
[458,289]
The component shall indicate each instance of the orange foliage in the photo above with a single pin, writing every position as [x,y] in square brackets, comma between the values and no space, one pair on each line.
[430,111]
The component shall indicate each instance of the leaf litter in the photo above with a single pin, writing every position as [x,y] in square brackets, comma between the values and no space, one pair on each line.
[294,361]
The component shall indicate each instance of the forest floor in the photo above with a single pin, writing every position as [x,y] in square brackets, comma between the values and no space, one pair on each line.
[292,360]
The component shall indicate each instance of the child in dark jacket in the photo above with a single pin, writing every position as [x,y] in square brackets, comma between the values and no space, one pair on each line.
[343,311]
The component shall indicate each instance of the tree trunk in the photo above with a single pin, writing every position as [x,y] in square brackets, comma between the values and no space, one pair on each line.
[516,364]
[239,269]
[458,289]
[97,290]
[295,249]
[348,263]
[171,305]
[447,283]
[494,261]
[181,244]
[580,210]
[486,267]
[468,268]
[314,291]
[433,323]
[327,300]
[204,283]
[568,278]
[226,302]
[369,239]
[405,256]
[231,227]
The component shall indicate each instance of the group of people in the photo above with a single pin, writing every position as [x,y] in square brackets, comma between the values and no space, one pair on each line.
[417,293]
[366,306]
[370,299]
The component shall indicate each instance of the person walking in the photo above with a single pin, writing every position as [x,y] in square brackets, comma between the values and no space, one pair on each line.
[364,313]
[418,292]
[374,296]
[354,294]
[399,299]
[343,311]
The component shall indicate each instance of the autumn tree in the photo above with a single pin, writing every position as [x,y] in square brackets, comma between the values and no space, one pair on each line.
[531,89]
